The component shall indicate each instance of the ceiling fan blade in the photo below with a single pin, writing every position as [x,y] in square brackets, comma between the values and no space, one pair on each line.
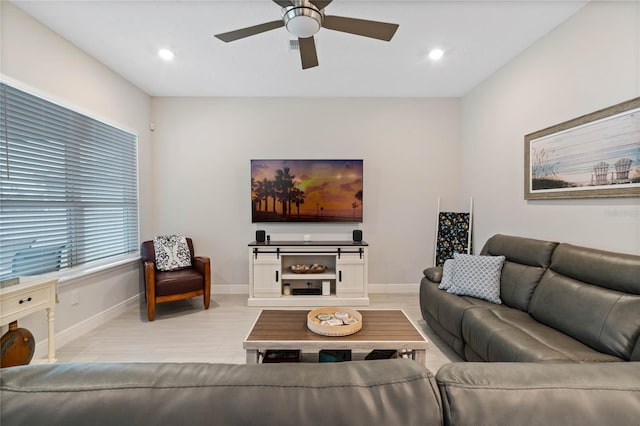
[249,31]
[320,4]
[308,53]
[362,27]
[283,3]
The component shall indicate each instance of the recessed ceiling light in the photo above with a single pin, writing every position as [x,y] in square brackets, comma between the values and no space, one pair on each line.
[436,54]
[166,54]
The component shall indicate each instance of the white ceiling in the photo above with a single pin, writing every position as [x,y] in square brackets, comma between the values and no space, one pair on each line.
[478,37]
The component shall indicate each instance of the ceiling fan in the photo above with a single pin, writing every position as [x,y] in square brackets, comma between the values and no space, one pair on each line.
[304,18]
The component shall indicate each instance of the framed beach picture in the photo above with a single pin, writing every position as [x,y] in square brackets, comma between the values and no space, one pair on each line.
[593,156]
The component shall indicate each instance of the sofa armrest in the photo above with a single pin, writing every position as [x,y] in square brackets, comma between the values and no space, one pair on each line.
[433,274]
[540,394]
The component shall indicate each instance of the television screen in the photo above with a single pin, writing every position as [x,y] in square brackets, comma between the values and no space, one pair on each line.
[306,190]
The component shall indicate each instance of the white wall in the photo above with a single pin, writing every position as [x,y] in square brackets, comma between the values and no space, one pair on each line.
[590,62]
[195,180]
[37,59]
[202,153]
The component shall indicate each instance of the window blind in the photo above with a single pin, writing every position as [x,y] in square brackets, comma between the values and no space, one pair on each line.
[68,187]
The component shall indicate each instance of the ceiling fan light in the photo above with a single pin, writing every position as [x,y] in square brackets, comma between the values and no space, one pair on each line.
[166,54]
[302,22]
[436,54]
[303,26]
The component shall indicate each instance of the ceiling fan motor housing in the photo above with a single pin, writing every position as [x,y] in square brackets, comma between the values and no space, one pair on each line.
[304,18]
[302,21]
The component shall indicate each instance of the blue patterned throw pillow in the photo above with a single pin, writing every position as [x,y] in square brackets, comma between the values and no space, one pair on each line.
[447,275]
[477,276]
[172,252]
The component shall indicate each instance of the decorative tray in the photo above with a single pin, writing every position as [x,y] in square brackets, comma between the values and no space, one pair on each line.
[308,269]
[334,322]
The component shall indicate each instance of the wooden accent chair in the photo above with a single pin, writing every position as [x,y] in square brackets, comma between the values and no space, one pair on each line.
[174,285]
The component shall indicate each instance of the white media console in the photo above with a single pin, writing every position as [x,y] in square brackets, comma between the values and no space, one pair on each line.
[343,282]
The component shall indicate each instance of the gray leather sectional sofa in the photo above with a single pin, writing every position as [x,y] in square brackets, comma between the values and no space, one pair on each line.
[382,392]
[561,303]
[568,313]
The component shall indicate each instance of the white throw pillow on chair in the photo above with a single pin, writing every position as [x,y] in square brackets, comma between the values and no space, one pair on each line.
[172,252]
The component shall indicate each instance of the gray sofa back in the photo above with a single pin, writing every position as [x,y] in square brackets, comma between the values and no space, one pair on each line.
[540,394]
[385,392]
[526,260]
[594,297]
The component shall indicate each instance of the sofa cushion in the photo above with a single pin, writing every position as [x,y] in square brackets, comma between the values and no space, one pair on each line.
[540,394]
[446,310]
[526,261]
[517,284]
[606,320]
[181,281]
[503,334]
[387,392]
[594,296]
[527,251]
[615,271]
[454,342]
[477,276]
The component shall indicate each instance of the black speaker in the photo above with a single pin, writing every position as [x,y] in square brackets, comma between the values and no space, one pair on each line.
[261,236]
[357,235]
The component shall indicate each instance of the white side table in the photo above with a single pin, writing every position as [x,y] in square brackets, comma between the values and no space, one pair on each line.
[31,295]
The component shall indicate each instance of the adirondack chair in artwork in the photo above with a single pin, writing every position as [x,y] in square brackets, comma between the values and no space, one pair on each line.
[623,166]
[601,170]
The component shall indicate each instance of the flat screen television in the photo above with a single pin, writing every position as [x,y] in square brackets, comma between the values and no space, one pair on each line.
[306,190]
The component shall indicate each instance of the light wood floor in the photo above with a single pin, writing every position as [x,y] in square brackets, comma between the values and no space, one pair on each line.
[184,332]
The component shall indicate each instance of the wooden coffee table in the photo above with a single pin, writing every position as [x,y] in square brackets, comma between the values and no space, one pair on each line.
[381,329]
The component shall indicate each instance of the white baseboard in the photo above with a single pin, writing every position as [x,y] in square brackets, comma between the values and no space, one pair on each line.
[394,288]
[230,289]
[373,288]
[83,327]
